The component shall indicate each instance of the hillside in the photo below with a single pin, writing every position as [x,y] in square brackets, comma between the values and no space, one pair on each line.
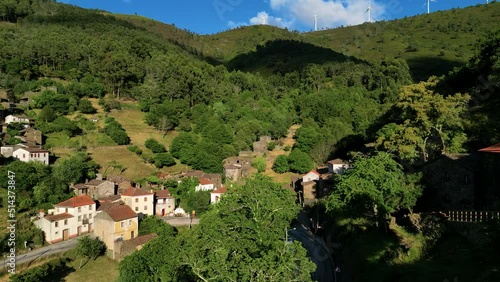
[431,44]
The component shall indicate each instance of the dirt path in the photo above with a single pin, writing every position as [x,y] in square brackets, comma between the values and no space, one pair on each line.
[271,156]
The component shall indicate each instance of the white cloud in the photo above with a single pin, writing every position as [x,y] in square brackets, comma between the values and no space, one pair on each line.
[262,18]
[330,13]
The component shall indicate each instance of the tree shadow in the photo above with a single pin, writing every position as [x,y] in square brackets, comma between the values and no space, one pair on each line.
[284,56]
[421,68]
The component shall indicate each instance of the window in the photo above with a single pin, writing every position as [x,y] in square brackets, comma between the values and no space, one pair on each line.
[145,199]
[79,209]
[137,200]
[65,222]
[57,232]
[66,209]
[122,224]
[129,222]
[90,215]
[57,224]
[84,216]
[145,208]
[79,218]
[136,208]
[90,207]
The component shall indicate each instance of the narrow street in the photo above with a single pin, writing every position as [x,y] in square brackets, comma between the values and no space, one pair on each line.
[316,249]
[44,252]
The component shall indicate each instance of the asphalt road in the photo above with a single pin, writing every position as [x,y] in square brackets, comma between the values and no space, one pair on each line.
[43,252]
[316,249]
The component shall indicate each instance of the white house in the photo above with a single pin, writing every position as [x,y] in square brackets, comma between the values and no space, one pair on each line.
[205,185]
[337,166]
[215,195]
[310,176]
[165,203]
[139,200]
[70,218]
[8,150]
[31,154]
[20,119]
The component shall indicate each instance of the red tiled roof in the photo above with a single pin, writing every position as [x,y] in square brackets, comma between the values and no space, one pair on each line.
[205,181]
[78,201]
[163,194]
[118,212]
[491,149]
[58,217]
[135,192]
[221,190]
[313,171]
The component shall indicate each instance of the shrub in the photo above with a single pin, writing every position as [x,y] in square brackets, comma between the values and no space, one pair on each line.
[287,148]
[135,149]
[164,159]
[281,164]
[155,146]
[271,146]
[85,107]
[260,164]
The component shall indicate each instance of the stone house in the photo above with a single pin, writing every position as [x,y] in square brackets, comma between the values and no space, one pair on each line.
[125,248]
[96,188]
[237,167]
[260,147]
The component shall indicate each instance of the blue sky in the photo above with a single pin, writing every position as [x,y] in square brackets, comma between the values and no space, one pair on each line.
[212,16]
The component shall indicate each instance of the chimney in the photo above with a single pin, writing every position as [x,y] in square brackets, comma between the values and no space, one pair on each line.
[42,214]
[86,180]
[98,176]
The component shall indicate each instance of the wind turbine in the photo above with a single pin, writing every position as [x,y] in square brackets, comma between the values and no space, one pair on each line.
[428,3]
[315,22]
[369,11]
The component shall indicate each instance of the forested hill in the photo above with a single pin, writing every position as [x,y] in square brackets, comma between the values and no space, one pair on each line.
[431,44]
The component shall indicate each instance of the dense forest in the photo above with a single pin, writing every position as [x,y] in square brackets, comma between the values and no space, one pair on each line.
[382,108]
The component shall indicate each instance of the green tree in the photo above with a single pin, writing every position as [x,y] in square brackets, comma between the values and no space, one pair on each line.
[299,161]
[163,159]
[251,223]
[374,185]
[155,146]
[260,164]
[281,164]
[90,248]
[423,115]
[85,107]
[153,224]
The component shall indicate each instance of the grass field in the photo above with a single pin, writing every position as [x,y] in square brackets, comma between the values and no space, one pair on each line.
[103,269]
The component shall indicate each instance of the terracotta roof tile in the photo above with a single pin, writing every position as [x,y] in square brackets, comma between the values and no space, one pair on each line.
[163,194]
[221,190]
[78,201]
[135,192]
[58,217]
[205,181]
[118,212]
